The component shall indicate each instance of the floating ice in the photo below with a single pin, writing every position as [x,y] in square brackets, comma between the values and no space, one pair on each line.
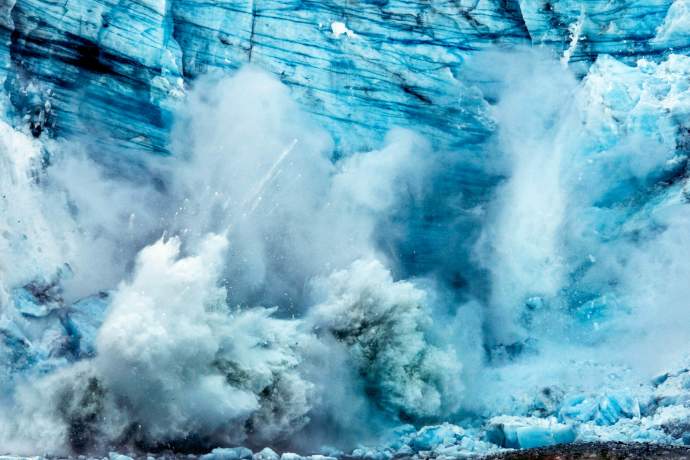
[234,453]
[266,454]
[528,432]
[604,410]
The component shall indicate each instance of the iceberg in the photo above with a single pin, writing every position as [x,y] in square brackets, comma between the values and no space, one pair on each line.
[606,410]
[234,453]
[526,433]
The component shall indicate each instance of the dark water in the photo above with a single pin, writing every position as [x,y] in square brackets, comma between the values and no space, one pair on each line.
[599,450]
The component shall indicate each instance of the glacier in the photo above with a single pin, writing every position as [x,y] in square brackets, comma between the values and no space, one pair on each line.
[371,229]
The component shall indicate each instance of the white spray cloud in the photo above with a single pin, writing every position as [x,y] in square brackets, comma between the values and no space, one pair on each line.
[32,231]
[523,235]
[655,292]
[257,167]
[584,242]
[112,218]
[175,363]
[172,354]
[383,325]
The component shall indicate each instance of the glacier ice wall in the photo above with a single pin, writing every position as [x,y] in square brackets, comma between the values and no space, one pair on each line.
[401,65]
[111,73]
[296,223]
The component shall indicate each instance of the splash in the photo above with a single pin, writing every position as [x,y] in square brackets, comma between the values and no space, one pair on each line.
[252,213]
[257,291]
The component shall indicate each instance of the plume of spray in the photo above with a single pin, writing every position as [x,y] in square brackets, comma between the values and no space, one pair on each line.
[592,206]
[382,325]
[32,237]
[522,238]
[584,243]
[174,365]
[186,356]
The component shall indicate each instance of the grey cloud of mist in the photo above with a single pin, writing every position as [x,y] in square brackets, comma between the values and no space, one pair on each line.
[253,214]
[255,295]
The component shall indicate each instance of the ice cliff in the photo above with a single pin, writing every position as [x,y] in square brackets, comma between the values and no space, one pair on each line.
[434,228]
[113,68]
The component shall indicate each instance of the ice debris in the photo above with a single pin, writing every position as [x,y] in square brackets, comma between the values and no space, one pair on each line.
[117,456]
[604,410]
[445,440]
[266,454]
[232,453]
[528,432]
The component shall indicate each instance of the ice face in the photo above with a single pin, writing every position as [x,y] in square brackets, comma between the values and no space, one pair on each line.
[136,58]
[396,213]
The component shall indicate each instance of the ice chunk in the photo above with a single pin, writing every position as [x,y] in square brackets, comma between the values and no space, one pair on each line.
[672,388]
[83,320]
[229,453]
[404,451]
[366,453]
[603,410]
[675,30]
[468,447]
[116,456]
[27,304]
[266,454]
[528,432]
[16,352]
[626,430]
[291,456]
[399,437]
[330,451]
[430,437]
[439,441]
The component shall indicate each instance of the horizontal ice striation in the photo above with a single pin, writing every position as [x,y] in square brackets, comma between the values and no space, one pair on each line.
[112,69]
[625,29]
[102,69]
[117,64]
[110,72]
